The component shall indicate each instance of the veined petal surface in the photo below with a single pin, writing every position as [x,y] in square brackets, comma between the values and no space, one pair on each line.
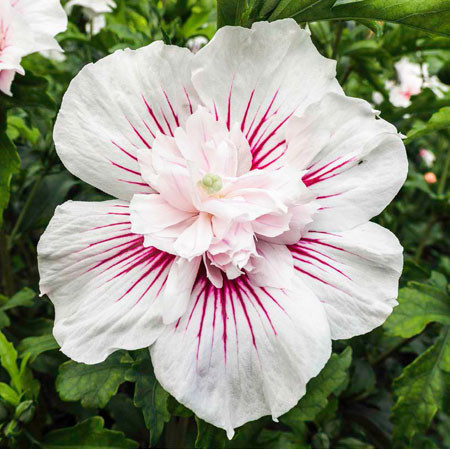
[242,352]
[105,285]
[354,274]
[259,78]
[120,103]
[355,162]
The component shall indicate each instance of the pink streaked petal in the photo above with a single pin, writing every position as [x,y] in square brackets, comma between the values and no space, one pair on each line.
[138,102]
[354,273]
[241,352]
[261,80]
[104,283]
[354,166]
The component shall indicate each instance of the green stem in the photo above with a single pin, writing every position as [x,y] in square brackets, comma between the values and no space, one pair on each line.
[426,236]
[337,39]
[25,208]
[443,180]
[6,266]
[383,356]
[176,432]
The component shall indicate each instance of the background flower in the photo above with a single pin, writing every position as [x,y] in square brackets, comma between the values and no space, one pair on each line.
[26,26]
[95,11]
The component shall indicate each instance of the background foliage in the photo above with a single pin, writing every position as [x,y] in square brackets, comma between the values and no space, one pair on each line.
[389,388]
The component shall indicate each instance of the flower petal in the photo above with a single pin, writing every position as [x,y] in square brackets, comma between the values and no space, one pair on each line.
[152,213]
[274,267]
[178,288]
[259,77]
[116,106]
[354,273]
[356,164]
[195,239]
[242,352]
[45,19]
[103,282]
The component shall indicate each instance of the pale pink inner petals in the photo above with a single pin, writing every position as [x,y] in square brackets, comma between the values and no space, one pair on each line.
[211,202]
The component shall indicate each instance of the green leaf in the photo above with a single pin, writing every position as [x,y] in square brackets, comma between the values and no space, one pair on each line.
[230,12]
[8,394]
[35,346]
[30,91]
[9,164]
[330,379]
[419,304]
[89,434]
[430,15]
[23,298]
[209,437]
[8,359]
[150,397]
[16,127]
[438,121]
[93,385]
[420,391]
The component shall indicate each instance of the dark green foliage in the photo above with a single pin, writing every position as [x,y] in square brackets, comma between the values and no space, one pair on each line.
[390,388]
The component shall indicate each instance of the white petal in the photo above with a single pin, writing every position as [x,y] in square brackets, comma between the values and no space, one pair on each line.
[45,19]
[354,273]
[116,106]
[274,267]
[152,213]
[103,282]
[242,352]
[195,240]
[356,163]
[178,288]
[258,77]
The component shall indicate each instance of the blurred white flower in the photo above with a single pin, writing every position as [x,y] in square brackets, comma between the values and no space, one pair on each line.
[377,97]
[54,55]
[26,26]
[94,11]
[196,43]
[427,156]
[412,78]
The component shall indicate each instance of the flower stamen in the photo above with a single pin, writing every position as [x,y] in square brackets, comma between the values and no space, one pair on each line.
[211,183]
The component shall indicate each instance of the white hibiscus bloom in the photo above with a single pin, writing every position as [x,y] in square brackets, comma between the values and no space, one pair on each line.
[94,11]
[196,43]
[26,26]
[412,78]
[427,156]
[239,243]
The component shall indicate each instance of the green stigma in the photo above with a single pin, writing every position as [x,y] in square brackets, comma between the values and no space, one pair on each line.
[211,183]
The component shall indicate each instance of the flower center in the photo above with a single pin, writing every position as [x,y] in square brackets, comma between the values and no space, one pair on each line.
[211,183]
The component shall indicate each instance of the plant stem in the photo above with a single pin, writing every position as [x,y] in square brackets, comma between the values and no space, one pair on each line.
[337,39]
[382,357]
[444,175]
[6,267]
[25,208]
[176,432]
[426,235]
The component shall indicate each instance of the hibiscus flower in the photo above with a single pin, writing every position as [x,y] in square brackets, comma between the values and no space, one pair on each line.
[239,243]
[26,26]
